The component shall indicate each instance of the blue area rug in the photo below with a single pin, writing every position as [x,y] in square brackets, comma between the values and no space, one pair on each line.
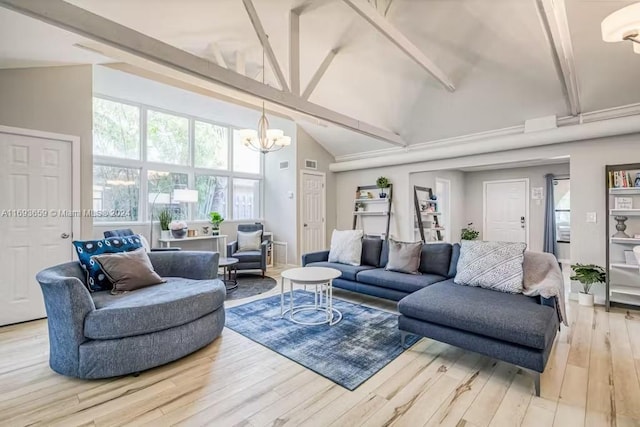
[348,353]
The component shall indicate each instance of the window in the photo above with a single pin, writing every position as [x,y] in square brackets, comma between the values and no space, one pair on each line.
[244,159]
[562,200]
[167,138]
[137,171]
[116,129]
[212,146]
[246,198]
[116,190]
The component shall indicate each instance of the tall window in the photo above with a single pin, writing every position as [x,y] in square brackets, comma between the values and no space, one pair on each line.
[135,170]
[562,200]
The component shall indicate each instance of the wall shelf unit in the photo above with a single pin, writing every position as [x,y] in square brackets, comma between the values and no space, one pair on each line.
[622,199]
[371,207]
[426,214]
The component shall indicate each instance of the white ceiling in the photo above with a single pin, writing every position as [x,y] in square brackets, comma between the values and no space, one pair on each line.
[494,50]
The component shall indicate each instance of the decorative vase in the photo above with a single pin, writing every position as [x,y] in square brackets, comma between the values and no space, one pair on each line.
[585,299]
[165,234]
[621,227]
[382,194]
[215,232]
[180,233]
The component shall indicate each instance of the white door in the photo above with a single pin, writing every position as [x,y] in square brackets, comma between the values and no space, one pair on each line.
[443,192]
[35,184]
[313,212]
[506,211]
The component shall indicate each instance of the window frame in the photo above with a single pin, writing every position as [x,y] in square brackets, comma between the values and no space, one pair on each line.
[555,210]
[191,170]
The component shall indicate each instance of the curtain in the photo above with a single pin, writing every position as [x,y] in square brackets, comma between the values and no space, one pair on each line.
[550,241]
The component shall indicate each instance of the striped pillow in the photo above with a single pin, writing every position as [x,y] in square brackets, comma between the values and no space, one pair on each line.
[491,265]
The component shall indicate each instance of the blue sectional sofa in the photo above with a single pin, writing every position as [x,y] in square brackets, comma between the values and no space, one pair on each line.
[511,327]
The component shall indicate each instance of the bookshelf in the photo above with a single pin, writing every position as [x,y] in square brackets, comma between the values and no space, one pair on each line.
[371,207]
[623,234]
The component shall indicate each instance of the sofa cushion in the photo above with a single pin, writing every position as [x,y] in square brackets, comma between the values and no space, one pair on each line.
[151,309]
[349,272]
[371,249]
[435,258]
[248,256]
[398,281]
[514,318]
[455,255]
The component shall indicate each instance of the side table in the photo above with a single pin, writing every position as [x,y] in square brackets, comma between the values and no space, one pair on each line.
[229,273]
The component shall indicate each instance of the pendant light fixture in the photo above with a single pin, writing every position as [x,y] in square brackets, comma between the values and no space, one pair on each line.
[265,139]
[623,25]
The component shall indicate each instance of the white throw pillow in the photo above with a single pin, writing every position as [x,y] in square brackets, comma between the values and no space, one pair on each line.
[249,240]
[346,247]
[145,243]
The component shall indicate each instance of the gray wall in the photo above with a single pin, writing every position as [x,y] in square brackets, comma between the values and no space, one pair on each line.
[58,100]
[474,190]
[309,149]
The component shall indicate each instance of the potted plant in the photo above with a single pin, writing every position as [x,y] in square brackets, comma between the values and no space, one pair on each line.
[178,229]
[587,275]
[165,219]
[382,183]
[215,219]
[469,233]
[359,206]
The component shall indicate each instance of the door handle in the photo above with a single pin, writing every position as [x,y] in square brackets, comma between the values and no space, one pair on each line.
[522,222]
[65,235]
[305,225]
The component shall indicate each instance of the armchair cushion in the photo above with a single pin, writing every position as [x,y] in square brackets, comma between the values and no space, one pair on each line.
[151,309]
[248,256]
[96,279]
[249,240]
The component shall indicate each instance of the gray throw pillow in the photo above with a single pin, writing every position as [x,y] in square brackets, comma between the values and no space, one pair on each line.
[128,270]
[491,265]
[249,240]
[404,257]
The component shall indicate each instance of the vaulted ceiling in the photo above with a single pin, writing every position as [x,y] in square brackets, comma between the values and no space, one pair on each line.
[495,52]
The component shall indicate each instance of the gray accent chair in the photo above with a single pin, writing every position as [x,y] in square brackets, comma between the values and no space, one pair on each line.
[250,260]
[100,335]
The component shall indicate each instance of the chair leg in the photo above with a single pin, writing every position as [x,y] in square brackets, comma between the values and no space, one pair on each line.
[263,274]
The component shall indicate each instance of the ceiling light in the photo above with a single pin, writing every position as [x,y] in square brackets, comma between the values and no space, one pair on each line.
[623,25]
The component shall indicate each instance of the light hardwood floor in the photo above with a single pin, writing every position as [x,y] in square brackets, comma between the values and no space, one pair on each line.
[592,379]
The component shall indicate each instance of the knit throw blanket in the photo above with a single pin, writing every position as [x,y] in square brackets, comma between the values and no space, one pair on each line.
[543,277]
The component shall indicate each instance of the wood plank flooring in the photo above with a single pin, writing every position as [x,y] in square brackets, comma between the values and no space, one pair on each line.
[592,379]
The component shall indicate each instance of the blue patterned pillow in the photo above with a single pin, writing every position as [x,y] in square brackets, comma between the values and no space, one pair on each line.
[96,279]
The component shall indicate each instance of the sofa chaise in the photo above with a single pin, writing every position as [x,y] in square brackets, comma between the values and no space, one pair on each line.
[515,328]
[100,335]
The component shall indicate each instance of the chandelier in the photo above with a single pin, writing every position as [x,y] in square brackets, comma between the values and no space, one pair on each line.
[623,25]
[265,139]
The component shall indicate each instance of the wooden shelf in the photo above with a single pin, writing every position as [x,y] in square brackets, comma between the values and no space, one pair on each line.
[372,213]
[430,213]
[371,200]
[625,241]
[625,289]
[628,191]
[624,212]
[625,266]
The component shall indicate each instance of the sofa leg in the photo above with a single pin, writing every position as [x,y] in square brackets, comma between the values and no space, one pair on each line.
[536,382]
[136,374]
[403,338]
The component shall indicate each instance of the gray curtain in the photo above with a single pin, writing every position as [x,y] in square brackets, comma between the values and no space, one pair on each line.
[550,241]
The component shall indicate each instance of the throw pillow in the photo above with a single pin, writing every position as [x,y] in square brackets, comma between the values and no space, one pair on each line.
[491,265]
[96,279]
[346,247]
[404,257]
[128,271]
[249,240]
[145,242]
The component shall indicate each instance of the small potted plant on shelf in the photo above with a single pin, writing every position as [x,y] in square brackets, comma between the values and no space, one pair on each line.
[165,219]
[587,275]
[469,233]
[178,229]
[382,183]
[215,219]
[359,206]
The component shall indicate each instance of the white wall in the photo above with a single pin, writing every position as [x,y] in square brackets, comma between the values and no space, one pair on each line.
[58,100]
[474,190]
[309,149]
[457,196]
[587,170]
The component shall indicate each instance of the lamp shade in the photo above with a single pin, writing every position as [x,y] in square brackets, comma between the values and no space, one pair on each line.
[621,24]
[185,196]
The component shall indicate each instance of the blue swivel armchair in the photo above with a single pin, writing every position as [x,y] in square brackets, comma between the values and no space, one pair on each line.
[250,260]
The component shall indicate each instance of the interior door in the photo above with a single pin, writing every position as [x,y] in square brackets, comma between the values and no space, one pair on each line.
[313,212]
[35,230]
[505,208]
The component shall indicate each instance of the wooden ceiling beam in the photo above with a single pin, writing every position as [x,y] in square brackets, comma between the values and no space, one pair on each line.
[264,40]
[315,79]
[121,42]
[294,51]
[371,15]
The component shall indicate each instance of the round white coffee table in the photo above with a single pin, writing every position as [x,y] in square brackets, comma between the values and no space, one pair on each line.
[321,278]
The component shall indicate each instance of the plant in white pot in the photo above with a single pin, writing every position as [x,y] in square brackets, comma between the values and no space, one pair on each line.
[588,275]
